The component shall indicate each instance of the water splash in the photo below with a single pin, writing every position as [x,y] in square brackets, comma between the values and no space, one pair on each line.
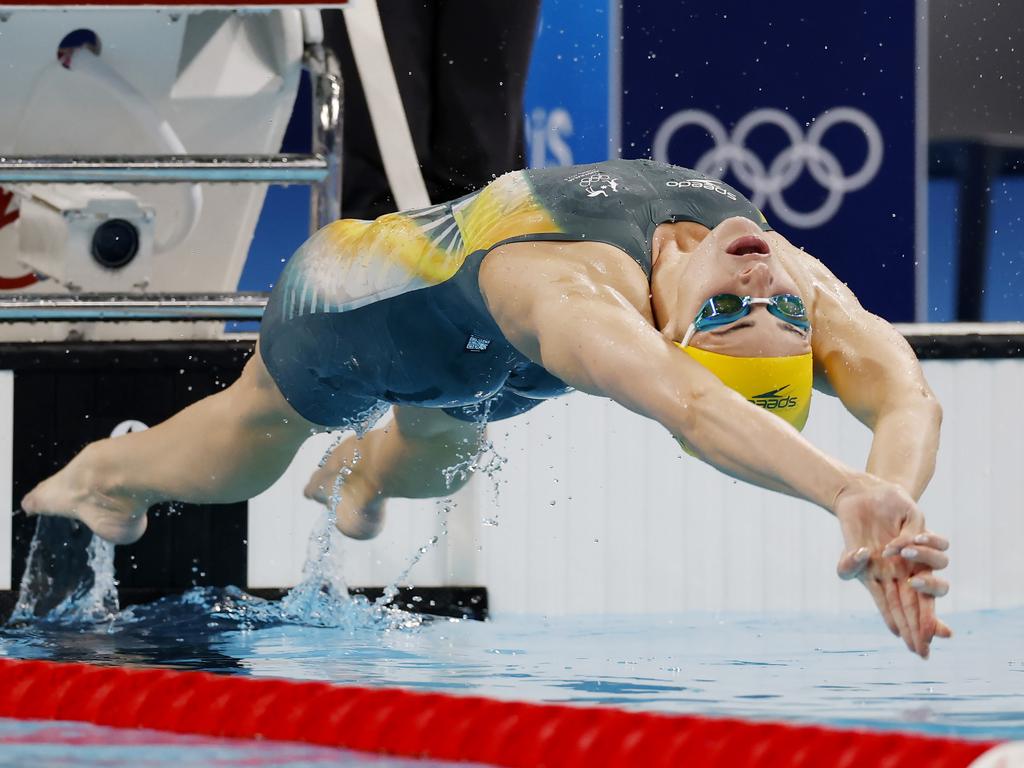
[485,460]
[34,582]
[201,610]
[443,508]
[68,578]
[95,602]
[364,421]
[321,598]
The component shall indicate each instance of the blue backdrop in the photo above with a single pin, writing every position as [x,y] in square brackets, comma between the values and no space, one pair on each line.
[566,102]
[808,108]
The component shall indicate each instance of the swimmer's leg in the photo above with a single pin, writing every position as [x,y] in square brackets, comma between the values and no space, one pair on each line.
[406,459]
[227,447]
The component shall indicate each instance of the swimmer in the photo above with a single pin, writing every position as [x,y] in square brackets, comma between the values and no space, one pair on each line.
[646,283]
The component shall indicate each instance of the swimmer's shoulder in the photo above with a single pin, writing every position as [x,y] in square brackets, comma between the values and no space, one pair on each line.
[822,290]
[514,273]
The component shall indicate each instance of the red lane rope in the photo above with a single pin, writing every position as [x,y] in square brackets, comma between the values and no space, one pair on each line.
[16,283]
[443,727]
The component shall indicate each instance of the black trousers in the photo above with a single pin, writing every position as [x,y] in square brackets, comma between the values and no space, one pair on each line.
[461,68]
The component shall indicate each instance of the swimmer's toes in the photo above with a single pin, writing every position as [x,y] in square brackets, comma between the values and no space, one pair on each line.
[28,505]
[39,502]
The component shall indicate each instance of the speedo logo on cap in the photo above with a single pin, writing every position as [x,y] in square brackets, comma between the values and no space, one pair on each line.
[775,399]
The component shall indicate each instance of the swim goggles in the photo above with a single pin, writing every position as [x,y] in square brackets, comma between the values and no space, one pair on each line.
[727,308]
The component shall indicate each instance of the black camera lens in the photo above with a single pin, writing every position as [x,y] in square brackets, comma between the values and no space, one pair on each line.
[115,243]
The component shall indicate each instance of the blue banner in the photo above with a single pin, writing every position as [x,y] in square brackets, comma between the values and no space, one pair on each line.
[808,108]
[567,93]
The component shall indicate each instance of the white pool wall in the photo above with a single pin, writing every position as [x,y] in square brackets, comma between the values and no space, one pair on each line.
[600,512]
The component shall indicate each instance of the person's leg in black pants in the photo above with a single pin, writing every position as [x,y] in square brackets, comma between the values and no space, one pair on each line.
[483,49]
[461,68]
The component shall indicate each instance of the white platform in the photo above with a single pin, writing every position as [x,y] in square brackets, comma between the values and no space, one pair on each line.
[224,81]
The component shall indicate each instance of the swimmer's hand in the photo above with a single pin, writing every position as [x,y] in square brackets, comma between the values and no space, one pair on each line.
[891,553]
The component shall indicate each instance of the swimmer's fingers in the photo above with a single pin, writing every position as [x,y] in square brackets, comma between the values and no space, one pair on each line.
[919,611]
[927,539]
[892,598]
[878,595]
[852,563]
[942,629]
[929,584]
[932,540]
[927,556]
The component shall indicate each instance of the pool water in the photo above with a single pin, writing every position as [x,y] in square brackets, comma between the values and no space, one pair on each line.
[838,670]
[42,744]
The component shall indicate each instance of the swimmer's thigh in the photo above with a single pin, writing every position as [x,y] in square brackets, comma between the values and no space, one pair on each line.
[312,360]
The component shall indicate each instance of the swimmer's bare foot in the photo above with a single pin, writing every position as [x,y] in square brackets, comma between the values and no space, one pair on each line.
[84,491]
[361,507]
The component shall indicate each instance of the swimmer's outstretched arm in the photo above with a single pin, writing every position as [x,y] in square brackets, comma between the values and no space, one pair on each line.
[564,316]
[869,365]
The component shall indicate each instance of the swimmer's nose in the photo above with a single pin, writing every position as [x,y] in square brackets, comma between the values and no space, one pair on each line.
[757,279]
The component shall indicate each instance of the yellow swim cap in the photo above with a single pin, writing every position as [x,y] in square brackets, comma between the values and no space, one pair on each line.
[781,385]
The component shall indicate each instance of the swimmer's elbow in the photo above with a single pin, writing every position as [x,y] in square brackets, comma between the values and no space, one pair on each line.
[932,407]
[690,418]
[924,401]
[919,407]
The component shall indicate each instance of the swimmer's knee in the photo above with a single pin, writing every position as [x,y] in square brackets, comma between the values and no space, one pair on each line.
[255,374]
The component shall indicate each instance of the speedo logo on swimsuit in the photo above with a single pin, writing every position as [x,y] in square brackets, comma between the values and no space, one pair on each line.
[775,399]
[701,184]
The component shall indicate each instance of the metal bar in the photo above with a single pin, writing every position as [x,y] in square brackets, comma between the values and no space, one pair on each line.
[948,159]
[295,169]
[34,308]
[975,201]
[325,195]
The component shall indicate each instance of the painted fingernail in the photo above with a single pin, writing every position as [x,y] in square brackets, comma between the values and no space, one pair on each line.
[862,554]
[921,538]
[917,582]
[890,551]
[909,552]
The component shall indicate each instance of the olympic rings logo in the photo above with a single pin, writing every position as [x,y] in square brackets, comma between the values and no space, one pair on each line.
[598,184]
[768,184]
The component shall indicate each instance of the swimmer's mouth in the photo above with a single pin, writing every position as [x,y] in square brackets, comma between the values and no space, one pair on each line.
[746,245]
